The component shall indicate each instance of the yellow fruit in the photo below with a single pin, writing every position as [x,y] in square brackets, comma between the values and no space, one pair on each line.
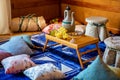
[65,36]
[62,29]
[53,32]
[58,35]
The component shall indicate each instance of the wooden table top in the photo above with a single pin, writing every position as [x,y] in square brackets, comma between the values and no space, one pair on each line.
[79,41]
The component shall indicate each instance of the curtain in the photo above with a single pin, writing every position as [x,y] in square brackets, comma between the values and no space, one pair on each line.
[5,16]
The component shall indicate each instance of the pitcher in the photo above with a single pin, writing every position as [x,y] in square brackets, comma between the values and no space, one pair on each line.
[69,22]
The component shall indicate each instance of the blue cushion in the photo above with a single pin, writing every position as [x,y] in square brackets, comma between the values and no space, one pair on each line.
[26,38]
[16,46]
[98,70]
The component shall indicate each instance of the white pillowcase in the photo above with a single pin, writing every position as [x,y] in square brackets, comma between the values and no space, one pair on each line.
[45,71]
[16,64]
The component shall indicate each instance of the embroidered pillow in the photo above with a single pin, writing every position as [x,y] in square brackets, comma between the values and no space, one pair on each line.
[45,71]
[16,46]
[16,64]
[51,27]
[98,70]
[4,54]
[26,38]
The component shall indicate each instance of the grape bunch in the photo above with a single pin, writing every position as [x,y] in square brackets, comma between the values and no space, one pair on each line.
[60,33]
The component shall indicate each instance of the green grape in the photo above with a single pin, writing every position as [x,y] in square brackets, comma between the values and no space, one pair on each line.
[65,36]
[58,35]
[62,29]
[53,32]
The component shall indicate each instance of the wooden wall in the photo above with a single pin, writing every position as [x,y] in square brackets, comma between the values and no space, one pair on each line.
[86,8]
[47,8]
[82,8]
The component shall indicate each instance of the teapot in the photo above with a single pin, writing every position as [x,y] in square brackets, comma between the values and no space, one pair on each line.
[68,21]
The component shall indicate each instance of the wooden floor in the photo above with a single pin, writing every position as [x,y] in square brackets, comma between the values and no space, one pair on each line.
[4,37]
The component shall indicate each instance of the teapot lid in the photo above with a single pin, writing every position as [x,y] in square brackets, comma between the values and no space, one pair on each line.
[68,8]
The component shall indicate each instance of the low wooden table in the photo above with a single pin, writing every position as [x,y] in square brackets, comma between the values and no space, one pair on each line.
[80,41]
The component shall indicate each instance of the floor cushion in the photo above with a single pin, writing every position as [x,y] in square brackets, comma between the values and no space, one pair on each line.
[16,46]
[45,71]
[115,69]
[16,64]
[4,54]
[28,23]
[51,27]
[98,70]
[26,38]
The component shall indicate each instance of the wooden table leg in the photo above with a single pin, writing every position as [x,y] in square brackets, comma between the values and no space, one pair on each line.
[79,57]
[45,45]
[99,53]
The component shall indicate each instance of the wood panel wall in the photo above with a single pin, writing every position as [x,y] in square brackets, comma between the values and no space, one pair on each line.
[86,8]
[82,8]
[47,8]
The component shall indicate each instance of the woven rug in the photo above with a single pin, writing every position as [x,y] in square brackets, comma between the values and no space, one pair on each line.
[63,57]
[69,68]
[66,52]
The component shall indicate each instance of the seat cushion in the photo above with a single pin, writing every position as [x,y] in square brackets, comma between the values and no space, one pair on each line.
[97,70]
[113,42]
[96,20]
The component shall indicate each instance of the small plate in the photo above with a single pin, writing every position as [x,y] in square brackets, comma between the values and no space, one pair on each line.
[75,34]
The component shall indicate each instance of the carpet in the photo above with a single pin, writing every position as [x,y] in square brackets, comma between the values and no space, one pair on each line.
[69,68]
[66,52]
[63,57]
